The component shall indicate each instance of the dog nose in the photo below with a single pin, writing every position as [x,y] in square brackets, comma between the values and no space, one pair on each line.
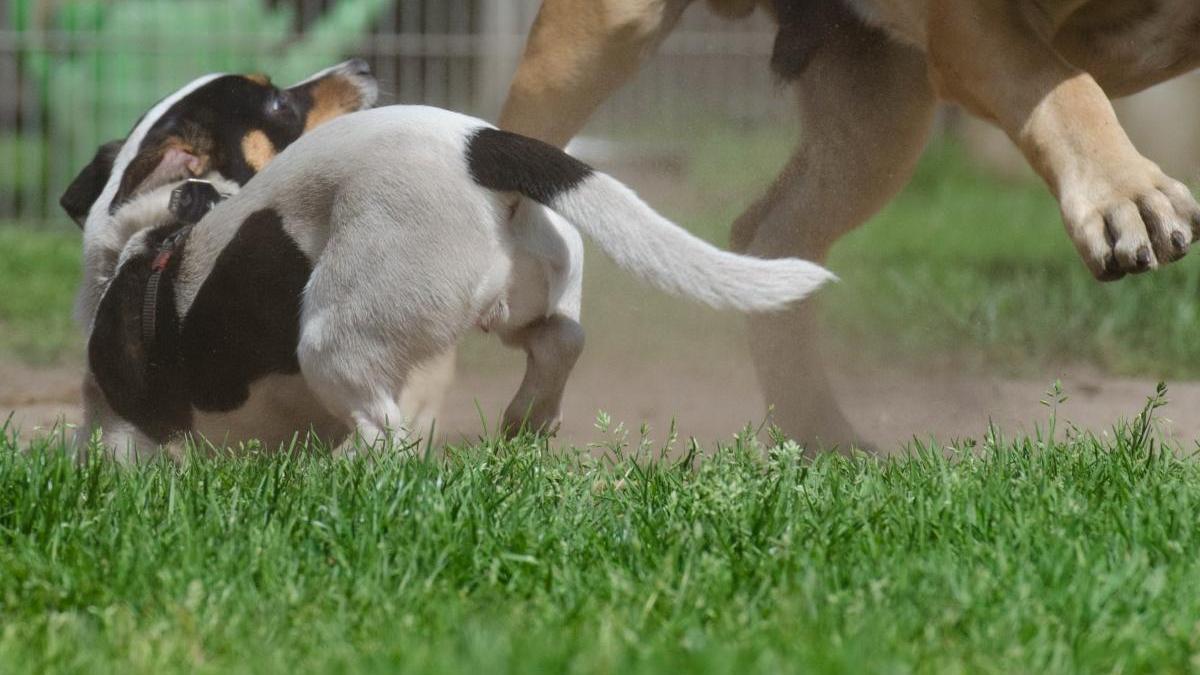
[357,67]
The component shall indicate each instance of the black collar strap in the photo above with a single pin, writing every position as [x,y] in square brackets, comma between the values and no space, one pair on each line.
[162,259]
[189,203]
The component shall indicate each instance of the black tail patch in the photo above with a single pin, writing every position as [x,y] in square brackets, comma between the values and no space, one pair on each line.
[508,162]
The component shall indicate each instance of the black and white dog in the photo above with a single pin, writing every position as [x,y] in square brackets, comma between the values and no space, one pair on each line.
[369,246]
[221,127]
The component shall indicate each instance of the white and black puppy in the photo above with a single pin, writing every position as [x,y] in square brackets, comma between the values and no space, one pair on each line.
[221,127]
[370,245]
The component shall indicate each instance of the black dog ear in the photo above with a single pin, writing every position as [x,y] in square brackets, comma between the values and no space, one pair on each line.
[87,186]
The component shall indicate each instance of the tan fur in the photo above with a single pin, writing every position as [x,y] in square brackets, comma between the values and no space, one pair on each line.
[331,98]
[1042,70]
[257,149]
[578,52]
[147,170]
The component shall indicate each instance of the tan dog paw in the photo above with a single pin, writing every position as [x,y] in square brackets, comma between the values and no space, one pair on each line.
[1145,220]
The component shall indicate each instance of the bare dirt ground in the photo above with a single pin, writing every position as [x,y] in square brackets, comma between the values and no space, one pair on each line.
[712,401]
[889,407]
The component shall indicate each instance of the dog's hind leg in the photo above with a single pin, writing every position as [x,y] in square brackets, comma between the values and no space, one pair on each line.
[866,110]
[378,423]
[552,345]
[545,294]
[358,385]
[371,412]
[386,298]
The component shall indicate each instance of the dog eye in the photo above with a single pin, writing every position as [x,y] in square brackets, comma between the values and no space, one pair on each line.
[278,104]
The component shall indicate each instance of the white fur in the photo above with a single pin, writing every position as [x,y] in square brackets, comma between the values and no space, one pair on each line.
[669,257]
[322,73]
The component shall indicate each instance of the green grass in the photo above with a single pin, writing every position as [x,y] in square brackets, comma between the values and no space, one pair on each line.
[39,274]
[24,165]
[1029,555]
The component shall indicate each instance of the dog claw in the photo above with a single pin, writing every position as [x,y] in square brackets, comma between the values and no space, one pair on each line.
[1135,228]
[1180,241]
[1112,271]
[1143,258]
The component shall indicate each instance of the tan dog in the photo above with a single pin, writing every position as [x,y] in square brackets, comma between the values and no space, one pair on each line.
[867,75]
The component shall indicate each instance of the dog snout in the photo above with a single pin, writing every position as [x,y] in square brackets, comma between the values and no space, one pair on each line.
[359,72]
[357,66]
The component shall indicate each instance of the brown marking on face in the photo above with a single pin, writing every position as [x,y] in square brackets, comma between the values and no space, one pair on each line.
[332,97]
[171,159]
[195,140]
[257,149]
[259,78]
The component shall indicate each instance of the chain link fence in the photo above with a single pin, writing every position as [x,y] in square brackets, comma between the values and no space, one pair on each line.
[76,73]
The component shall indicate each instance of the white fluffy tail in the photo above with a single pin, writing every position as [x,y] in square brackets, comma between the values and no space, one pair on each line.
[667,256]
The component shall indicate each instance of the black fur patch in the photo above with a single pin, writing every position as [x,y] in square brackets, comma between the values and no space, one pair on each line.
[244,324]
[508,162]
[212,120]
[807,25]
[143,383]
[245,321]
[79,196]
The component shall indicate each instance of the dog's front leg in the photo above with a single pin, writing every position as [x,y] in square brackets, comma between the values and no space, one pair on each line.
[1121,211]
[578,53]
[122,440]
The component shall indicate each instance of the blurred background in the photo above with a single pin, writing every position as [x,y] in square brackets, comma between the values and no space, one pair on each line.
[959,304]
[77,72]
